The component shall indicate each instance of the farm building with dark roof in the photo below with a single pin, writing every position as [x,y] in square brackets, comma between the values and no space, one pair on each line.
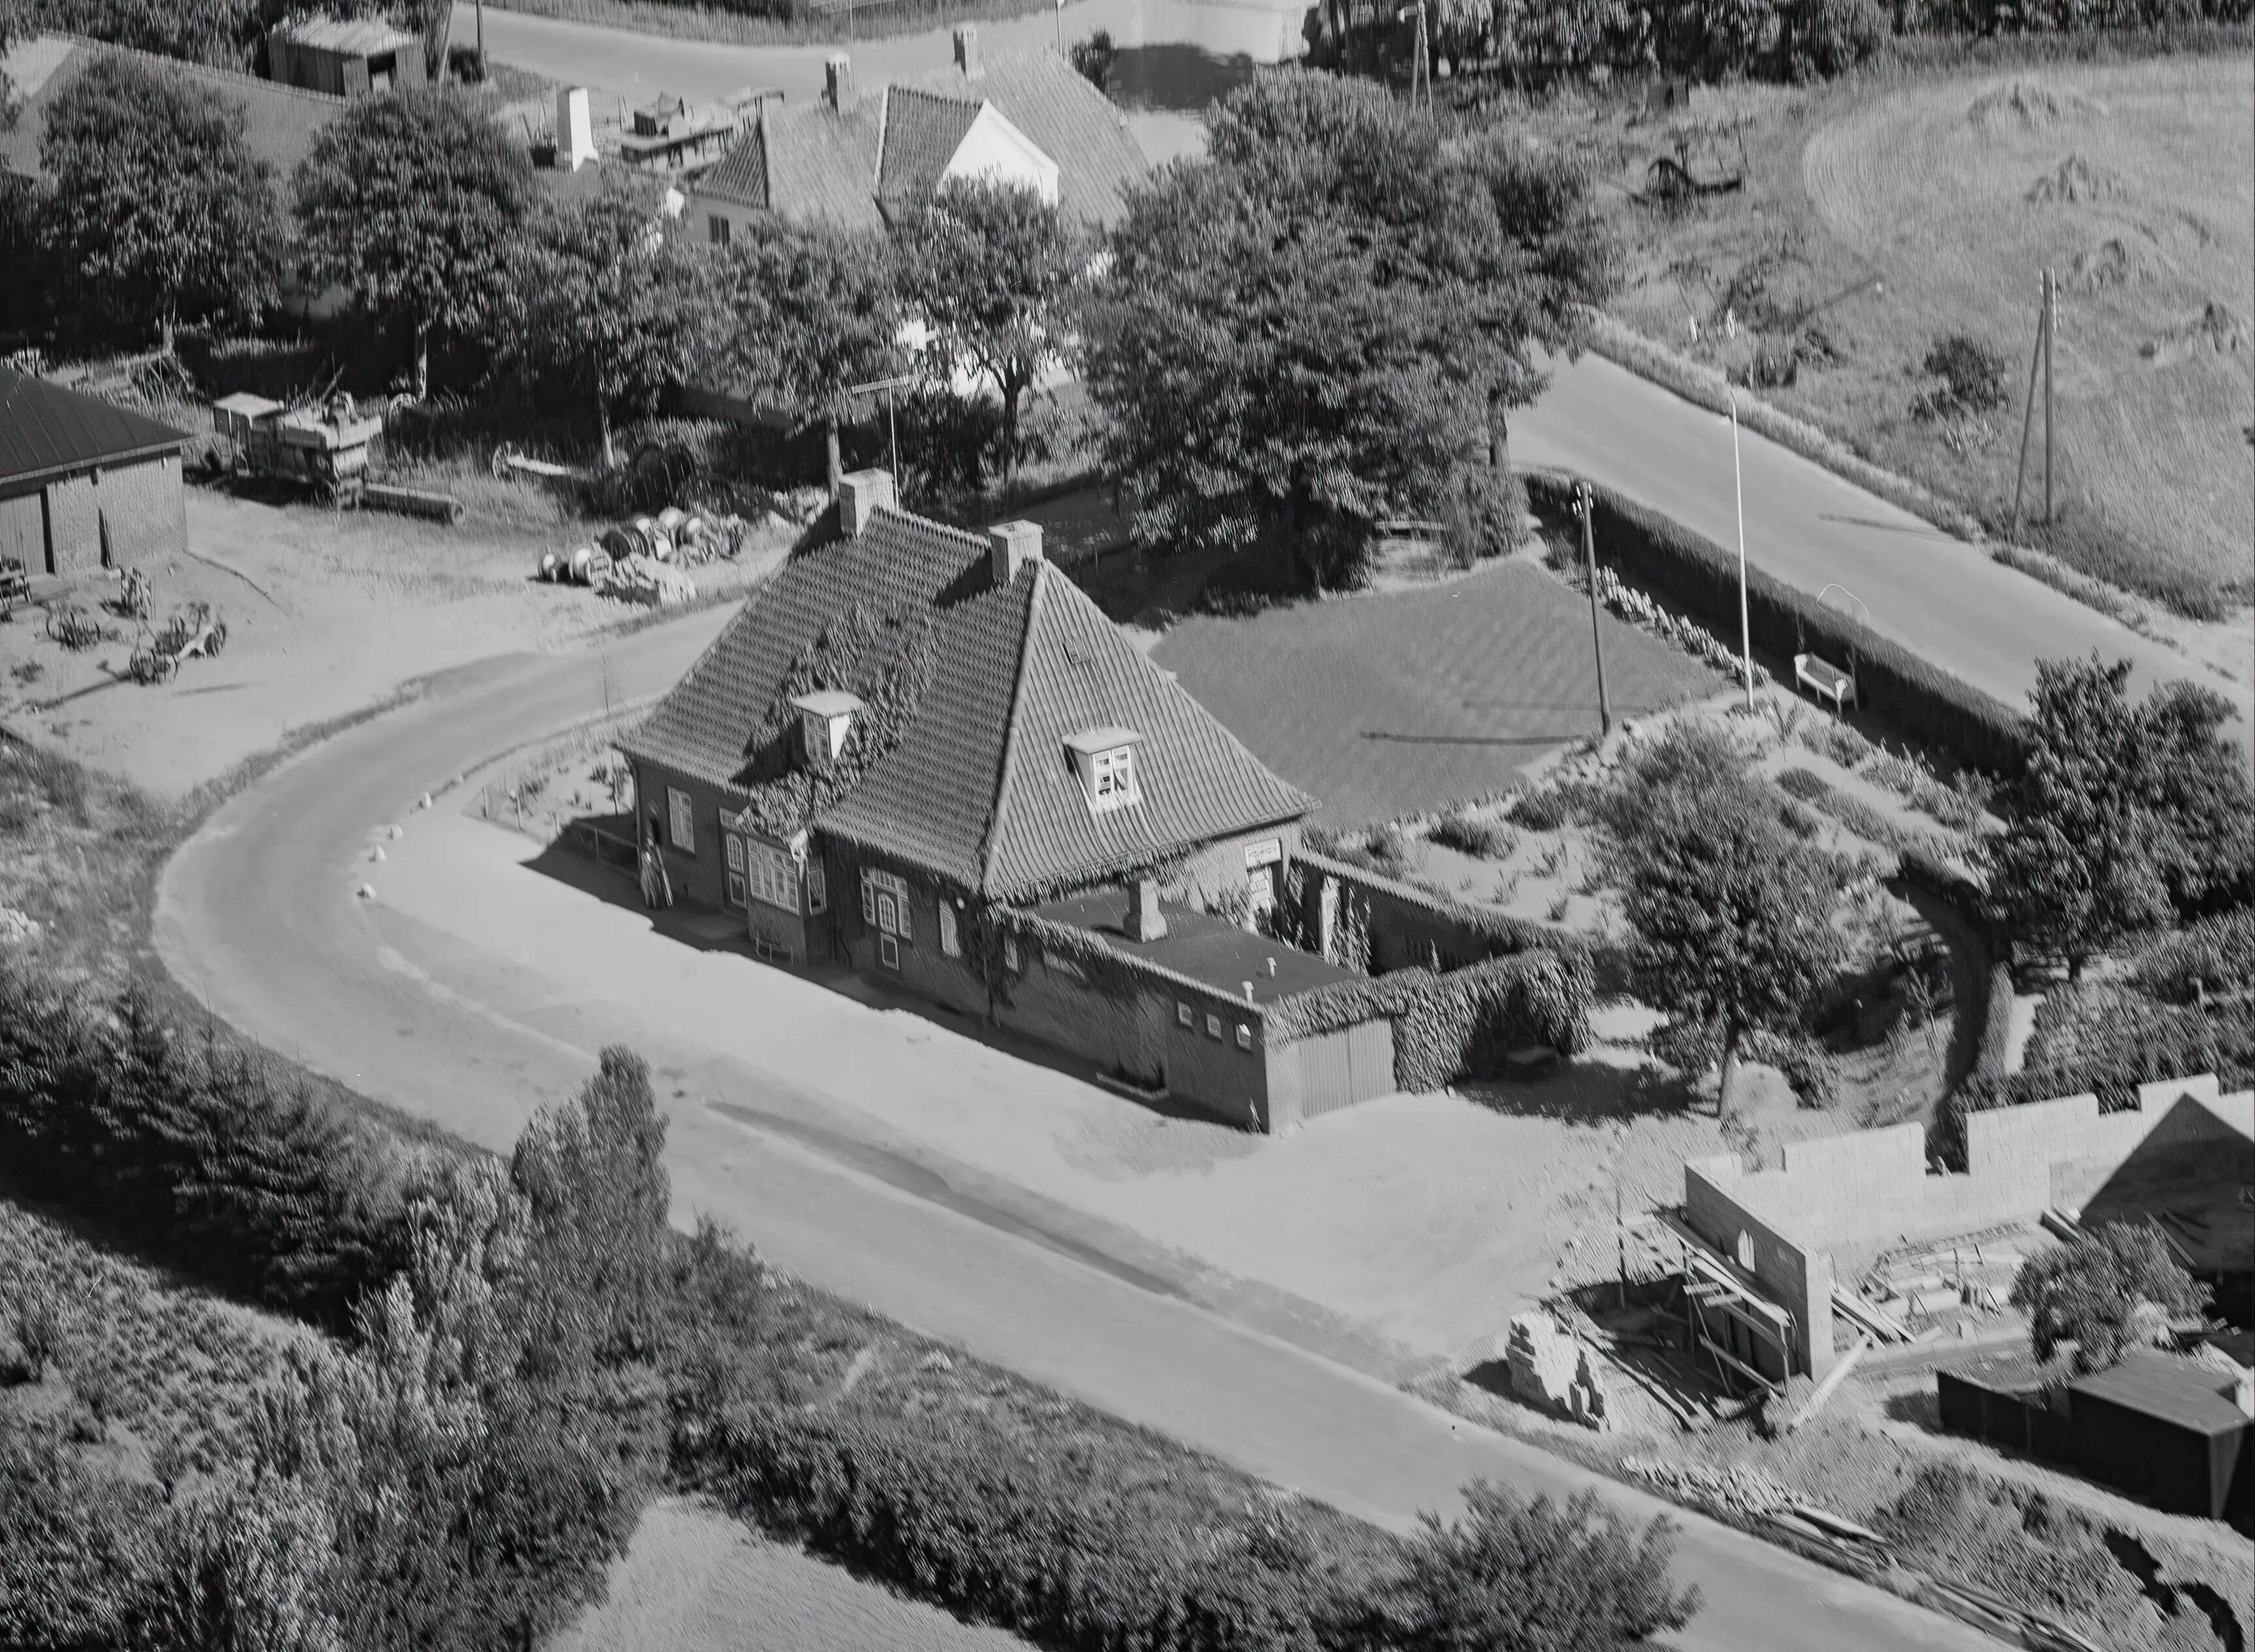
[84,484]
[916,744]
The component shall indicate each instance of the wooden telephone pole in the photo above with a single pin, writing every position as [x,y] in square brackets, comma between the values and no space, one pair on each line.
[1421,68]
[2047,316]
[1582,509]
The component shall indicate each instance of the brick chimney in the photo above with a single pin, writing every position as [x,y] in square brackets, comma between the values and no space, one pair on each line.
[838,82]
[1012,548]
[1145,920]
[966,51]
[860,494]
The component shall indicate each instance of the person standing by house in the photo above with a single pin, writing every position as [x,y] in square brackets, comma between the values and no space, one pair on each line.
[657,883]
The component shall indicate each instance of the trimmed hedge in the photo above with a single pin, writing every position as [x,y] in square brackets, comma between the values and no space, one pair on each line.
[1699,577]
[1476,933]
[1460,1025]
[1053,1549]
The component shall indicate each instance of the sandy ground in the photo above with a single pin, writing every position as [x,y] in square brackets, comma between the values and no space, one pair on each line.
[696,1580]
[1428,1220]
[326,614]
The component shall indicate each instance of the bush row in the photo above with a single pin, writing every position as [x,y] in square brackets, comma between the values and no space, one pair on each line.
[1410,925]
[1700,576]
[191,1148]
[2214,957]
[973,1522]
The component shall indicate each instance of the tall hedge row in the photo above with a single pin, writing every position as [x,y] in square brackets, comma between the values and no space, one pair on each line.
[974,1521]
[1458,1024]
[192,1147]
[1696,574]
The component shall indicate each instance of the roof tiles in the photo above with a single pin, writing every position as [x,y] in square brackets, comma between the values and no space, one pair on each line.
[46,429]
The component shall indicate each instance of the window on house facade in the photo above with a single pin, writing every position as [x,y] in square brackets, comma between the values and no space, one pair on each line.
[885,904]
[817,887]
[774,877]
[1184,1016]
[951,939]
[682,820]
[1112,779]
[1243,1036]
[1213,1026]
[734,848]
[717,228]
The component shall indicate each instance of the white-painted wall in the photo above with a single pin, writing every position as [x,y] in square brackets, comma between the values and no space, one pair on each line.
[993,148]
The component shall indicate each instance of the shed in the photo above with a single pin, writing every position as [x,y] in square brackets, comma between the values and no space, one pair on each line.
[344,57]
[2008,1399]
[2166,1430]
[85,484]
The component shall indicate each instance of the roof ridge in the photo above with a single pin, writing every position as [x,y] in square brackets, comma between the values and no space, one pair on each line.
[325,100]
[1006,770]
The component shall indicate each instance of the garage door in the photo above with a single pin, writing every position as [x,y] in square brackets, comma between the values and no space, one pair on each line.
[1338,1069]
[23,532]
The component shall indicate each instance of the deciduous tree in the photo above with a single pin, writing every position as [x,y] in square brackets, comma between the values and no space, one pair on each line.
[415,201]
[1512,1575]
[614,311]
[816,313]
[160,215]
[2108,1290]
[994,272]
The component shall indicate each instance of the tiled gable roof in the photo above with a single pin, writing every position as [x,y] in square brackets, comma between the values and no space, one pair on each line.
[822,165]
[704,724]
[1067,119]
[922,131]
[46,429]
[279,127]
[980,789]
[742,177]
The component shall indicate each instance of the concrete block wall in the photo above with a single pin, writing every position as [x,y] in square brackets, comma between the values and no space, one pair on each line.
[1796,1276]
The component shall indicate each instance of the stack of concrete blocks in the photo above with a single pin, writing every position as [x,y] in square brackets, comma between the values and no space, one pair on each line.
[1549,1368]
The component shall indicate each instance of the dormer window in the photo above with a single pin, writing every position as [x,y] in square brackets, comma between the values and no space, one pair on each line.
[826,721]
[1104,760]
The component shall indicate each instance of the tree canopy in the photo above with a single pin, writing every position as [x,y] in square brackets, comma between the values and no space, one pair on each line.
[815,314]
[1732,914]
[1325,324]
[2122,817]
[993,272]
[1512,1575]
[615,310]
[161,213]
[2110,1289]
[415,201]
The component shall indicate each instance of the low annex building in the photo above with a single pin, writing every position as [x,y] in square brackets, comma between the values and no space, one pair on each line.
[924,753]
[85,484]
[861,160]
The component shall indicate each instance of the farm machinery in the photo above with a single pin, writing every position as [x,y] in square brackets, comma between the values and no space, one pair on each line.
[321,448]
[74,627]
[157,656]
[15,586]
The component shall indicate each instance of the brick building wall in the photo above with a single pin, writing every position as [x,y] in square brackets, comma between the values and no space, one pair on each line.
[699,871]
[140,508]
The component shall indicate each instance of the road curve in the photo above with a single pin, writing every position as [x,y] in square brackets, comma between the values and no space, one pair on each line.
[257,914]
[1945,601]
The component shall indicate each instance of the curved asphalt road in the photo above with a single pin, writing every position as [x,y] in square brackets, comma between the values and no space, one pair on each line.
[257,913]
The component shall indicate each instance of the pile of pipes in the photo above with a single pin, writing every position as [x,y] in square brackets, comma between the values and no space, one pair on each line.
[673,539]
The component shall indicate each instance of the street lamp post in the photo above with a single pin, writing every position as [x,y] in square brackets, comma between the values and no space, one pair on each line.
[1583,507]
[1746,623]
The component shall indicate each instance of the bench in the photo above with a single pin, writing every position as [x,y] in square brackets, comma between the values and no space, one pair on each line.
[1825,680]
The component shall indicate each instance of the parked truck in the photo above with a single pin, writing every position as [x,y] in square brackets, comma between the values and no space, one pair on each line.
[323,449]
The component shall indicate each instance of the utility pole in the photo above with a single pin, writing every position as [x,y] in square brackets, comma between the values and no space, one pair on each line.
[1746,623]
[1583,508]
[481,38]
[892,421]
[1420,65]
[1060,27]
[2039,361]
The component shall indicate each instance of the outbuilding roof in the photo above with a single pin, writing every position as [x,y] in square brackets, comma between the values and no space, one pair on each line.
[2162,1386]
[280,121]
[981,687]
[349,37]
[46,430]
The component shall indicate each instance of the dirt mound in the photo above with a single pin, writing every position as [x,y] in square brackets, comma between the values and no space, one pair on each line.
[2114,263]
[2078,180]
[2027,105]
[2215,331]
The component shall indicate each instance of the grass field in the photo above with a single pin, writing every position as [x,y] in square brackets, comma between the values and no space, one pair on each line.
[2134,181]
[1395,704]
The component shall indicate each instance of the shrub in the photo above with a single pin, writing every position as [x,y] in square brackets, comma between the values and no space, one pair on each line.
[1830,37]
[1829,737]
[2213,957]
[41,1338]
[1485,839]
[1805,784]
[1702,578]
[1543,810]
[1972,377]
[2106,1291]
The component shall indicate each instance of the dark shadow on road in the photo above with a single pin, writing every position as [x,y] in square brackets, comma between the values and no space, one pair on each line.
[1920,1406]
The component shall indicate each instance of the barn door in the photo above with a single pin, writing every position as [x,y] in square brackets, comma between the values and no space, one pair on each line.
[23,533]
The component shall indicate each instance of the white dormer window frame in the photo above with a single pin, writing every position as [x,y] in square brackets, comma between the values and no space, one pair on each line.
[1104,760]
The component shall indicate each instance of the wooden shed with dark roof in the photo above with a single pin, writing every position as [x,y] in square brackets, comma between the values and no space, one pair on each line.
[85,484]
[911,730]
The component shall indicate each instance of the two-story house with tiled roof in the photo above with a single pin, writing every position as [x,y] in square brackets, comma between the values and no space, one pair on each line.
[912,729]
[860,161]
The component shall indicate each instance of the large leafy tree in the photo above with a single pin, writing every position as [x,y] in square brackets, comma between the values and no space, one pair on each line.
[993,272]
[1328,321]
[2110,1289]
[415,201]
[161,213]
[815,313]
[1732,916]
[616,311]
[1512,1575]
[2122,817]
